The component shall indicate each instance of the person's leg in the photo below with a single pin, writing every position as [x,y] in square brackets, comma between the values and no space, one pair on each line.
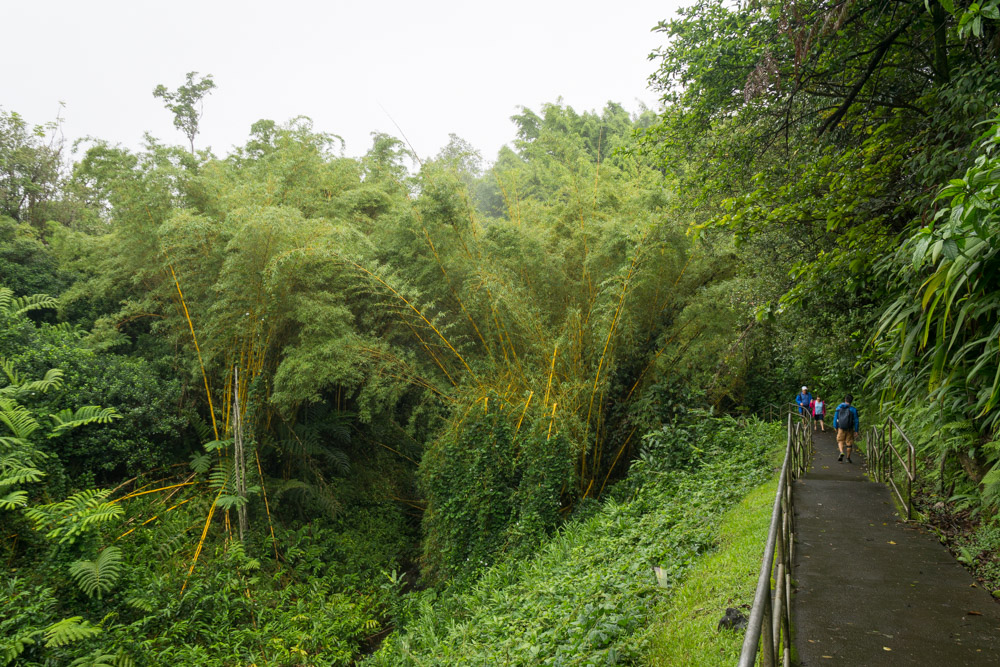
[841,436]
[849,444]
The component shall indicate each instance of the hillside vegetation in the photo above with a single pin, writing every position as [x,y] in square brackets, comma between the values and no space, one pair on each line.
[285,406]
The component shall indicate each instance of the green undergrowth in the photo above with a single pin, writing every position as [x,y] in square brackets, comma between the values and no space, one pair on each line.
[687,633]
[589,594]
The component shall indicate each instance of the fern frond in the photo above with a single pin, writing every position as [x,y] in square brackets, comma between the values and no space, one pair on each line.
[17,419]
[302,492]
[221,474]
[13,379]
[14,646]
[16,470]
[69,630]
[74,330]
[97,576]
[70,518]
[217,444]
[13,500]
[95,659]
[26,304]
[201,463]
[139,603]
[53,380]
[89,414]
[228,501]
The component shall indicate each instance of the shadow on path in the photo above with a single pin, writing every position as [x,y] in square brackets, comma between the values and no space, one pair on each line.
[873,590]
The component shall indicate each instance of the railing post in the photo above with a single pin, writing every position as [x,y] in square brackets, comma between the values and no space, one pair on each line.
[766,641]
[910,474]
[889,447]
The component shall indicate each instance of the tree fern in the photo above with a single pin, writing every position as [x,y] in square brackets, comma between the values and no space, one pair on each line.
[97,577]
[69,630]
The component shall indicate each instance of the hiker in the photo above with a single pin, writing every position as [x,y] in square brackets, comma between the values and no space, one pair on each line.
[818,410]
[803,398]
[848,425]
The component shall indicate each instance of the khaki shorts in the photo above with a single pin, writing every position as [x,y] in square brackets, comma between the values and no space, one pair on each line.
[845,437]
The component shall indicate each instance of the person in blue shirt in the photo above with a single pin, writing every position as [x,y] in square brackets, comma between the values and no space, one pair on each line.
[803,398]
[847,422]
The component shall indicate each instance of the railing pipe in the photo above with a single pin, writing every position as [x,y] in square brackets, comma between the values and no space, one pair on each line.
[760,613]
[882,451]
[769,622]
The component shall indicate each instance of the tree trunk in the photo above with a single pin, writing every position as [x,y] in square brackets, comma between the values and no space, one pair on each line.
[942,71]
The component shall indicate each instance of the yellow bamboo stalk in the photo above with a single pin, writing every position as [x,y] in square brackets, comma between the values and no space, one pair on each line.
[267,506]
[615,462]
[204,534]
[597,174]
[128,532]
[552,371]
[396,451]
[136,494]
[614,324]
[523,412]
[418,312]
[551,421]
[197,349]
[431,352]
[453,292]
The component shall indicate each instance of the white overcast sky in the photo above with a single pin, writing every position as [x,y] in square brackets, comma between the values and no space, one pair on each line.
[436,66]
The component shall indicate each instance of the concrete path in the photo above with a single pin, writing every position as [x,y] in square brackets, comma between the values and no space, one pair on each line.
[873,590]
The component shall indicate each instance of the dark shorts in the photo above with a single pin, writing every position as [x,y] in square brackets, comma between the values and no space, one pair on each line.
[818,418]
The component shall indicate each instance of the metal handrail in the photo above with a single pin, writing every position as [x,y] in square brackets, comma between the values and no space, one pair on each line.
[769,623]
[772,410]
[880,452]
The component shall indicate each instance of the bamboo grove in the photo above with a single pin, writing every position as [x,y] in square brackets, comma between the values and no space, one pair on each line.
[476,350]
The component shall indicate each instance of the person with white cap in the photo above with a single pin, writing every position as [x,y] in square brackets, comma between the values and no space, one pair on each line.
[803,398]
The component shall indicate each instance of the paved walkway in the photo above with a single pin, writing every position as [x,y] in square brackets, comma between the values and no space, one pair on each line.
[873,590]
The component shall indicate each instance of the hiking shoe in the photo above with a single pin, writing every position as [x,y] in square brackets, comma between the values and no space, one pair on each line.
[841,458]
[849,460]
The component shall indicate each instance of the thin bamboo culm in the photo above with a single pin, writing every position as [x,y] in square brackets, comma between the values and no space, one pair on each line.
[239,463]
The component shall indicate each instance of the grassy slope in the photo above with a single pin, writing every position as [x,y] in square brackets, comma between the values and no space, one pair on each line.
[686,634]
[589,596]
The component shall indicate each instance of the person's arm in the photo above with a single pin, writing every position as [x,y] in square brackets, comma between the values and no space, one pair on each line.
[836,410]
[857,420]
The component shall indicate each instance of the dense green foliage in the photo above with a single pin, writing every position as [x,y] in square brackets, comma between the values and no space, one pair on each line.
[844,143]
[586,597]
[313,357]
[448,410]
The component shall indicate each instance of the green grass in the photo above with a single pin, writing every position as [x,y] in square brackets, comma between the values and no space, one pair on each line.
[686,634]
